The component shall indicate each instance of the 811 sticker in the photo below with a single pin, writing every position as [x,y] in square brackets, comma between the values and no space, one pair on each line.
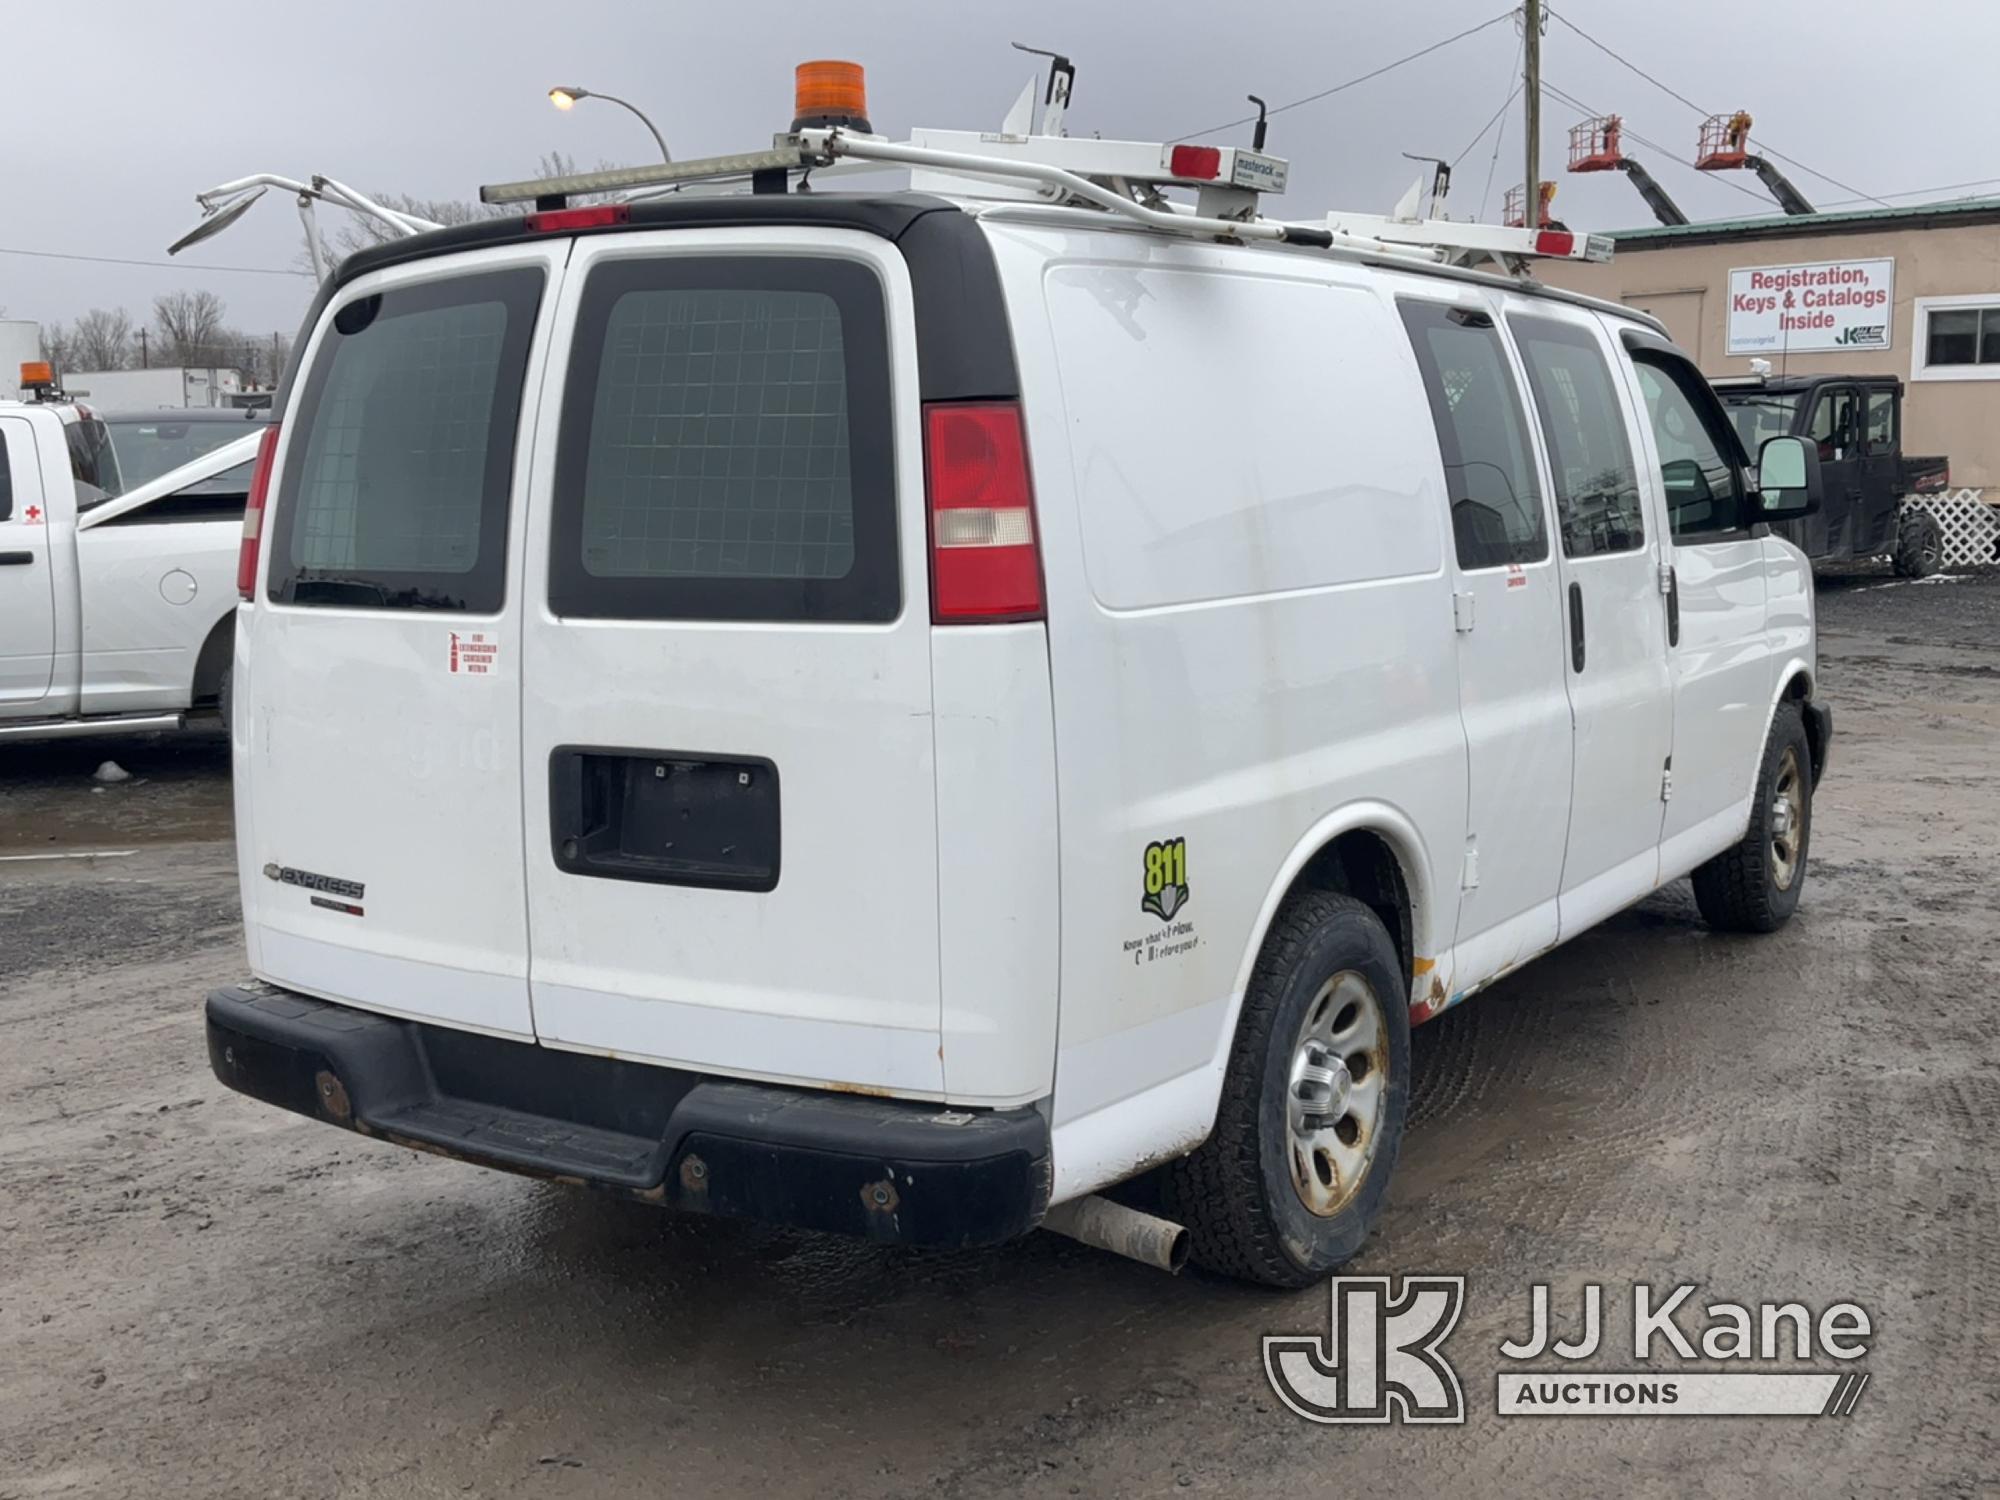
[1164,872]
[1166,878]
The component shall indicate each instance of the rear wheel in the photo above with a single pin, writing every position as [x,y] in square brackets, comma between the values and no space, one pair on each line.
[1755,885]
[1287,1187]
[1919,544]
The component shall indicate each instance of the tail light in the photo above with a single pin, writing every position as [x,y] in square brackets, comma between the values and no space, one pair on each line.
[985,564]
[253,513]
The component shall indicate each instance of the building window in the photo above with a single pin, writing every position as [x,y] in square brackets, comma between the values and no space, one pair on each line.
[1957,338]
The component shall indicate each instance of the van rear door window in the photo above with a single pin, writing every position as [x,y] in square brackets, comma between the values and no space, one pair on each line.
[394,493]
[1590,456]
[1496,503]
[726,446]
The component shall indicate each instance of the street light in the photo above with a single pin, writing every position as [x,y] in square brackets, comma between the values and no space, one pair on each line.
[564,96]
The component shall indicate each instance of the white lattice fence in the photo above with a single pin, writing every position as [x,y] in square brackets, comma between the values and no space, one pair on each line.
[1970,526]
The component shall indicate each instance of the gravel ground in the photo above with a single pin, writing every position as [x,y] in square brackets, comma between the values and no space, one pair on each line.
[200,1295]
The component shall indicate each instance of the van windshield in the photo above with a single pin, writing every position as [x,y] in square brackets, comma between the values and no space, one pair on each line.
[395,487]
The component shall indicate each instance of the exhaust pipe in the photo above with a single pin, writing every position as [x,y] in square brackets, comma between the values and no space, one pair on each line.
[1104,1225]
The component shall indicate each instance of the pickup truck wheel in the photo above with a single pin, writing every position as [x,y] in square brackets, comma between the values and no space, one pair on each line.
[1755,886]
[1306,1133]
[1919,545]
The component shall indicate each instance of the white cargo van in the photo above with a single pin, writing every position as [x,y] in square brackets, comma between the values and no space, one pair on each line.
[898,713]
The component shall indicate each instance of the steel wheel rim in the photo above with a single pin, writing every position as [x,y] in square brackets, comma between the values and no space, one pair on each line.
[1334,1093]
[1788,820]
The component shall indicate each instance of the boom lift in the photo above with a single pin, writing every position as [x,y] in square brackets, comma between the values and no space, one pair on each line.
[1597,146]
[1724,146]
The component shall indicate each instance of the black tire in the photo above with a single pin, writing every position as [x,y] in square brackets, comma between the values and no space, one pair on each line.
[1919,544]
[1235,1193]
[1746,888]
[223,698]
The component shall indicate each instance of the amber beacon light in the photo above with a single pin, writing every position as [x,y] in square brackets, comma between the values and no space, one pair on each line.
[830,93]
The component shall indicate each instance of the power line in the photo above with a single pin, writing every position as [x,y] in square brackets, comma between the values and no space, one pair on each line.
[1492,163]
[1515,74]
[1622,61]
[1946,187]
[1505,15]
[169,265]
[1508,101]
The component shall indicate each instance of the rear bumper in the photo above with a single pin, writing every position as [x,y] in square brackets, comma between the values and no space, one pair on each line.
[888,1170]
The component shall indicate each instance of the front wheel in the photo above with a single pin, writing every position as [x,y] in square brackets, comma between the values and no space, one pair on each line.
[1754,886]
[1286,1188]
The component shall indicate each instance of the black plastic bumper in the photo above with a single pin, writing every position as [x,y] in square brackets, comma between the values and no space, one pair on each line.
[1819,734]
[917,1174]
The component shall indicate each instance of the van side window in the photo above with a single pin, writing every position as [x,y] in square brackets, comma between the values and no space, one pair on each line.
[1597,485]
[1703,494]
[1496,503]
[6,481]
[396,481]
[726,445]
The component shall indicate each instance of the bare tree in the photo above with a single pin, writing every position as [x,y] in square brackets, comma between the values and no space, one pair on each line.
[57,345]
[101,339]
[188,324]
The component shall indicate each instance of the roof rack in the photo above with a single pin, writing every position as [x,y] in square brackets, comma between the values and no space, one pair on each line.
[1121,177]
[830,135]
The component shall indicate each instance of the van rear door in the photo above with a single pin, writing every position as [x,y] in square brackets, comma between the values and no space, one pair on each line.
[730,804]
[378,733]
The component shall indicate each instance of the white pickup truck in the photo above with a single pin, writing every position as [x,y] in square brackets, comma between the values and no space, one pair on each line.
[117,611]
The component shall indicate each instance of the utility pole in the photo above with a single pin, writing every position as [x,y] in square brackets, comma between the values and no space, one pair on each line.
[1531,96]
[144,362]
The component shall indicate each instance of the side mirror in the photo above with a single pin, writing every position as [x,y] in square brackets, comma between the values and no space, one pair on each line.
[1788,479]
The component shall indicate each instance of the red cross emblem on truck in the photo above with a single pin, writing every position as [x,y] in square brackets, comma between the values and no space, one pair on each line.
[34,515]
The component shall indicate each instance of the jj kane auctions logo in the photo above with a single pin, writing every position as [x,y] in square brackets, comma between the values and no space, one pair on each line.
[1382,1360]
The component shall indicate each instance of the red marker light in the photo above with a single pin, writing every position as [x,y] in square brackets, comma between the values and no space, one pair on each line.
[1204,162]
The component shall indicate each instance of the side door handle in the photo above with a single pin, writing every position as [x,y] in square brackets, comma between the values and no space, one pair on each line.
[16,559]
[1673,606]
[1576,626]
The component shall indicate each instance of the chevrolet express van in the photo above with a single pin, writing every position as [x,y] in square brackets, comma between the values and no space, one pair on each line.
[899,713]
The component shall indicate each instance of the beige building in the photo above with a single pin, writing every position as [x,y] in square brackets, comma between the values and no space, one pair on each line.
[1909,292]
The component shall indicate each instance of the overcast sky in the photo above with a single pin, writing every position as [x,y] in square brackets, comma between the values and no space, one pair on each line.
[128,108]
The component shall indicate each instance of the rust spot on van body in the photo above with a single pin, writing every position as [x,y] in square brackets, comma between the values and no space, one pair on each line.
[868,1089]
[1433,1002]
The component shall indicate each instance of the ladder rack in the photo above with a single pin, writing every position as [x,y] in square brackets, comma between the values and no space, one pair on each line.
[1120,177]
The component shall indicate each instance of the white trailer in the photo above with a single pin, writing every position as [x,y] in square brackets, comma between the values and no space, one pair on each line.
[169,386]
